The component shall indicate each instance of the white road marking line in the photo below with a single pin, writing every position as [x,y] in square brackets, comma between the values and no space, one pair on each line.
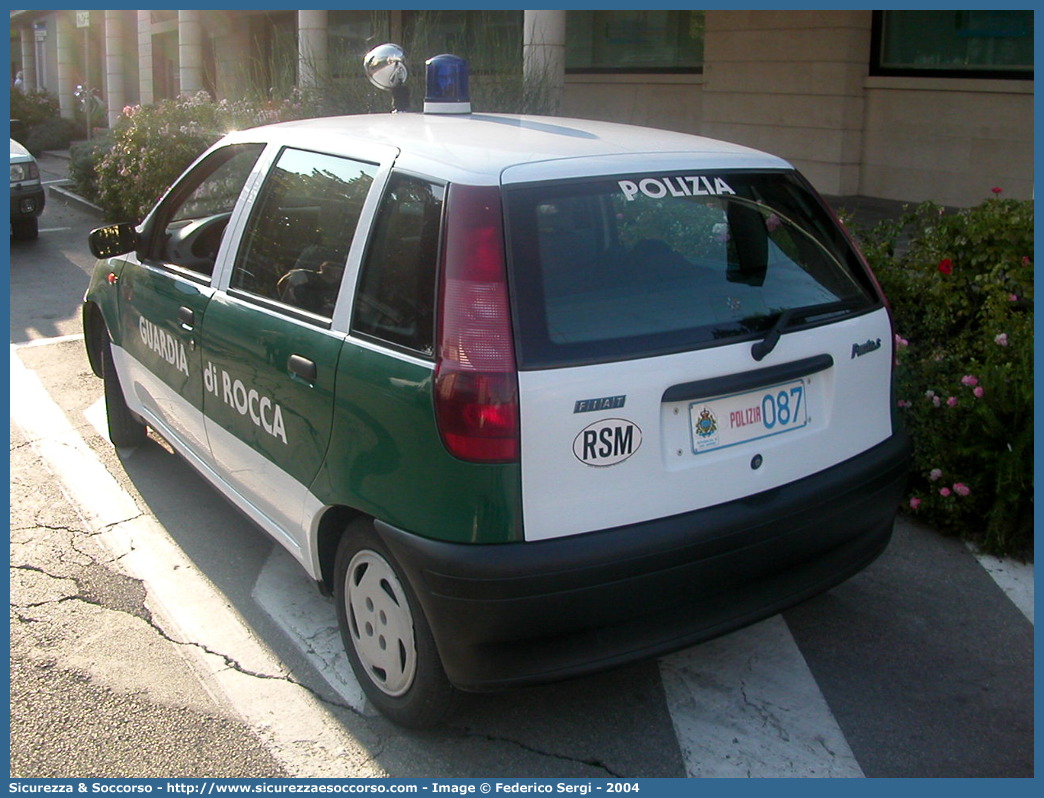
[747,705]
[60,339]
[295,726]
[1014,578]
[289,597]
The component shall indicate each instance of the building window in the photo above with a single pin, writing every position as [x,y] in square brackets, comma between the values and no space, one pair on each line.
[634,41]
[352,34]
[491,41]
[995,44]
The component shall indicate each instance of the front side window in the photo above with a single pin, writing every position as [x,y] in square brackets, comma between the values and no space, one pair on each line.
[395,301]
[296,242]
[957,43]
[191,223]
[648,264]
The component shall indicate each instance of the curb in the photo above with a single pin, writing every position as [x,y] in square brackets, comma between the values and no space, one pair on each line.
[77,201]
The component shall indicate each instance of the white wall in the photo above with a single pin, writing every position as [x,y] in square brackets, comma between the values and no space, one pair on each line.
[672,102]
[947,140]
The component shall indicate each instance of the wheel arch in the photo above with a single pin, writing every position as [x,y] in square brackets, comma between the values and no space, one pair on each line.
[333,524]
[95,335]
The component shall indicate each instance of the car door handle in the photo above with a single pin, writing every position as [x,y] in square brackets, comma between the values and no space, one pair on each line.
[187,317]
[303,368]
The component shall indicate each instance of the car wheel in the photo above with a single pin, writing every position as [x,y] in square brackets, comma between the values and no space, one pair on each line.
[125,429]
[386,636]
[26,228]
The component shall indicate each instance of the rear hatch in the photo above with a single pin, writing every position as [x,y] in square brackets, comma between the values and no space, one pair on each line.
[685,338]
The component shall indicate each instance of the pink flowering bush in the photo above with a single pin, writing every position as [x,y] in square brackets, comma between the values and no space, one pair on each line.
[151,145]
[961,290]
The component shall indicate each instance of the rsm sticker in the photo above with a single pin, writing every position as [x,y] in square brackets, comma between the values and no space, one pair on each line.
[607,442]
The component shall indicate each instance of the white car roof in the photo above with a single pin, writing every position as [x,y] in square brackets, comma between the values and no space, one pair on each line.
[19,152]
[486,149]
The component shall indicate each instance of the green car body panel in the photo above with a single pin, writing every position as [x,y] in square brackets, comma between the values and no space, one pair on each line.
[102,296]
[251,392]
[152,333]
[386,458]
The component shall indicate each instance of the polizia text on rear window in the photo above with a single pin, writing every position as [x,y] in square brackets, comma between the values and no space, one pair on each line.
[639,265]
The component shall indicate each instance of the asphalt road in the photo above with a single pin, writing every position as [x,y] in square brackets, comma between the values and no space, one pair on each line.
[176,639]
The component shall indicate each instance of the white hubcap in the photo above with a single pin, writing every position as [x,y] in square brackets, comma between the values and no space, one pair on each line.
[381,622]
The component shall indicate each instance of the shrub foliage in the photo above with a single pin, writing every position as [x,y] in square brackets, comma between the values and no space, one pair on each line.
[961,289]
[41,126]
[33,107]
[152,145]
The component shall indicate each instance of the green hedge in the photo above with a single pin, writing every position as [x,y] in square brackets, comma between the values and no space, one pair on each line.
[51,134]
[961,290]
[41,125]
[33,107]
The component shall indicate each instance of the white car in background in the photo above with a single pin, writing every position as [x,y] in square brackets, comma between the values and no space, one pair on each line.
[27,194]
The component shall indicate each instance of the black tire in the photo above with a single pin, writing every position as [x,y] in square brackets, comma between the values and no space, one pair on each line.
[125,429]
[26,229]
[386,636]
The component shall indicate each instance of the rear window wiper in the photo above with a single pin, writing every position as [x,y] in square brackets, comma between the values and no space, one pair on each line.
[768,343]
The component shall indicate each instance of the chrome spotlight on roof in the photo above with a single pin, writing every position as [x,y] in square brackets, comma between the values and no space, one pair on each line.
[385,66]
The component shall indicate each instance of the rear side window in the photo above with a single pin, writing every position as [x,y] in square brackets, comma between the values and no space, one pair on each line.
[395,301]
[644,265]
[296,243]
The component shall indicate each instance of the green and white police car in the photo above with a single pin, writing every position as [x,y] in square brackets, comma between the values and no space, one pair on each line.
[530,397]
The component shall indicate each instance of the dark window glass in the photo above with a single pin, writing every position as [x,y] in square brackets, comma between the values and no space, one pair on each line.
[649,264]
[490,40]
[634,41]
[190,225]
[954,42]
[395,301]
[351,34]
[296,243]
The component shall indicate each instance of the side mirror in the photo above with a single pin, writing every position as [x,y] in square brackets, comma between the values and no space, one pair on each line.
[113,240]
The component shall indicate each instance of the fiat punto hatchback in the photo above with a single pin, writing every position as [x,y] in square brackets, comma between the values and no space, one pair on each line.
[530,397]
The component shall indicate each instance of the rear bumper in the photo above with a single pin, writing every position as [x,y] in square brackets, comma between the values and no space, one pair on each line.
[525,613]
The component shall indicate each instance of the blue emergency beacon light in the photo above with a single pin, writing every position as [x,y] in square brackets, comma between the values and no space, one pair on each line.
[447,91]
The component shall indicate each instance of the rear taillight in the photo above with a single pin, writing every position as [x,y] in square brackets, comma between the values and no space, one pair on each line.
[476,383]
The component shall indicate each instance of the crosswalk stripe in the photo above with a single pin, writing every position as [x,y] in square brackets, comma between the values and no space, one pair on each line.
[747,705]
[1014,578]
[284,591]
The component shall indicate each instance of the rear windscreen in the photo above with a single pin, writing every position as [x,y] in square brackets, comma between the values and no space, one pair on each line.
[641,265]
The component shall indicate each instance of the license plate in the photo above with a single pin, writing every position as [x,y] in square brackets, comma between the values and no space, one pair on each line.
[743,417]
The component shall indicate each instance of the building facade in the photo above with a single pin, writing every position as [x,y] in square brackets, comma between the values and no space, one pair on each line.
[905,105]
